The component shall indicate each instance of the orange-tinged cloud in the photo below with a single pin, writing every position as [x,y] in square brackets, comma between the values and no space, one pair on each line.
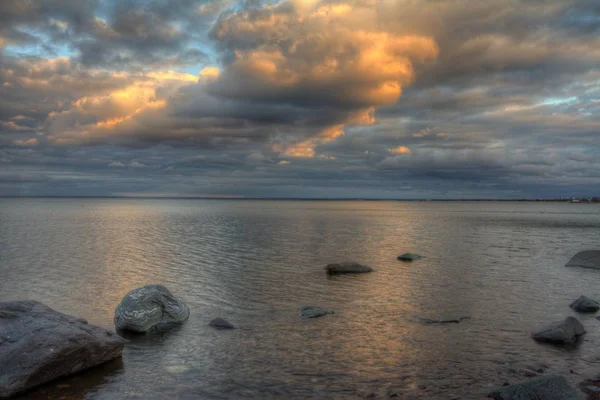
[210,73]
[330,63]
[305,149]
[400,150]
[311,51]
[28,142]
[100,116]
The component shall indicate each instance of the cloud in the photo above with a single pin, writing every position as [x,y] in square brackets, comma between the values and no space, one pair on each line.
[137,164]
[400,150]
[340,97]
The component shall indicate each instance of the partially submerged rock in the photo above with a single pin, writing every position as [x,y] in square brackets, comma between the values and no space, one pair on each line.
[551,387]
[585,259]
[566,331]
[443,319]
[585,305]
[38,345]
[409,257]
[221,324]
[347,267]
[314,312]
[149,307]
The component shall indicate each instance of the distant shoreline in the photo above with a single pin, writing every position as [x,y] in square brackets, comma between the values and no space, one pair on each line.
[593,200]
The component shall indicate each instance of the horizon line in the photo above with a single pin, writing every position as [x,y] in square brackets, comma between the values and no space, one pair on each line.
[237,198]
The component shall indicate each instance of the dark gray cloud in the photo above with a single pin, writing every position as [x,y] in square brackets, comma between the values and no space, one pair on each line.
[452,98]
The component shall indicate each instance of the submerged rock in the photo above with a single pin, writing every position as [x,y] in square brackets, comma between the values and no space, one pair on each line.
[39,344]
[347,267]
[409,257]
[314,312]
[551,387]
[566,331]
[221,324]
[585,305]
[443,320]
[146,308]
[585,259]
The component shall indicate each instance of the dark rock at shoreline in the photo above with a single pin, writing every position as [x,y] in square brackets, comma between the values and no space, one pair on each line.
[409,257]
[585,259]
[221,324]
[314,312]
[39,344]
[551,387]
[585,305]
[347,267]
[146,308]
[566,331]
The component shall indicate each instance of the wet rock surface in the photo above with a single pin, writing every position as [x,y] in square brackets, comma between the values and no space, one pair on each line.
[444,319]
[221,324]
[149,307]
[585,305]
[314,312]
[560,332]
[551,387]
[39,344]
[409,257]
[347,267]
[585,259]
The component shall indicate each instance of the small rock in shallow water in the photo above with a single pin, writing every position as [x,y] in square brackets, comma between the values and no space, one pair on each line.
[314,312]
[347,267]
[409,257]
[566,331]
[548,388]
[221,323]
[585,305]
[443,320]
[586,259]
[592,389]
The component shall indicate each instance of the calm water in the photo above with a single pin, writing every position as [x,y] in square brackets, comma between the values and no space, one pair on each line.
[256,262]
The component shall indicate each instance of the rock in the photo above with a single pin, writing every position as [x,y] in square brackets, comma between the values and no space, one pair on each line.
[585,259]
[149,307]
[409,257]
[444,319]
[566,331]
[592,389]
[314,312]
[221,324]
[347,267]
[547,388]
[585,305]
[39,345]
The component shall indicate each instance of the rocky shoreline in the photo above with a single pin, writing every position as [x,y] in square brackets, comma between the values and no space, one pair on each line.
[39,345]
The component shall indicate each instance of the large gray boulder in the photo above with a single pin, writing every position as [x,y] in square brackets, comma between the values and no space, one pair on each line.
[566,331]
[550,387]
[347,267]
[585,305]
[585,259]
[38,345]
[149,307]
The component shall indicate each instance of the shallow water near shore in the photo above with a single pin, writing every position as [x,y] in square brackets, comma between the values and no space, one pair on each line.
[255,263]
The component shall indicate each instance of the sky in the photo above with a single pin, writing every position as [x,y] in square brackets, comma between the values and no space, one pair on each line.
[396,99]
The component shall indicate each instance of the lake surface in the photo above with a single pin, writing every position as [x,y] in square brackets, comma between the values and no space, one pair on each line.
[255,263]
